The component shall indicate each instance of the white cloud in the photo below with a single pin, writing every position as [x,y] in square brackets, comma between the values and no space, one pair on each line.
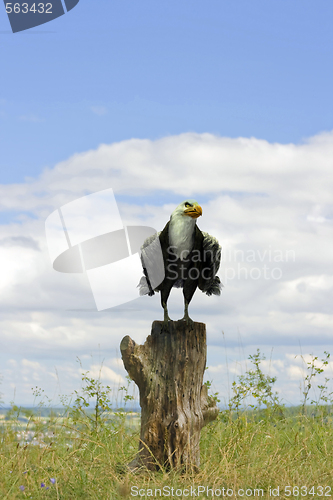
[216,369]
[31,364]
[105,374]
[296,372]
[261,200]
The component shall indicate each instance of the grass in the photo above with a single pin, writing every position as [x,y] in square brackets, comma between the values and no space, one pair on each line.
[242,453]
[247,452]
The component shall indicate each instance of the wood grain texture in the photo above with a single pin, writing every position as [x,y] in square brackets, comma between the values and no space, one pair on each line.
[168,370]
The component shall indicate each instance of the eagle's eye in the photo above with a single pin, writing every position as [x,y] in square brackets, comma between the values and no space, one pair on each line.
[187,204]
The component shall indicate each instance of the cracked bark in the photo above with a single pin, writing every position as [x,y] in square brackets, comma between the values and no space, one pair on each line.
[168,370]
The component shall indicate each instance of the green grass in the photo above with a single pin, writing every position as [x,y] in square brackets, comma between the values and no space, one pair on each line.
[252,450]
[245,453]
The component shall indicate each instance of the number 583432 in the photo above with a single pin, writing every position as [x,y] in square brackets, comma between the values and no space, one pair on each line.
[24,8]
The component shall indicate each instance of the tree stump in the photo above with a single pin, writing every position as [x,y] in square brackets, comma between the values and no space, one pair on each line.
[168,370]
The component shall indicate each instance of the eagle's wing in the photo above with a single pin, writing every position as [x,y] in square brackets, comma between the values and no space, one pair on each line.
[152,263]
[146,255]
[209,283]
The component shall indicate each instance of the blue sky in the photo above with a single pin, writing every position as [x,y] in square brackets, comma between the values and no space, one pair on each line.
[228,102]
[109,71]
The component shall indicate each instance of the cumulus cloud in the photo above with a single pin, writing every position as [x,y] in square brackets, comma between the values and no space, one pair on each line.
[270,206]
[20,241]
[105,374]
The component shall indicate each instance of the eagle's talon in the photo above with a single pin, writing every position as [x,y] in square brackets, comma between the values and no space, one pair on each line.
[189,322]
[165,325]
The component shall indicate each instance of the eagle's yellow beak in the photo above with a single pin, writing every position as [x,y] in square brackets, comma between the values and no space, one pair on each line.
[194,211]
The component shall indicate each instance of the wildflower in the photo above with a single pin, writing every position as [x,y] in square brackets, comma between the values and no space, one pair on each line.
[22,488]
[52,480]
[42,485]
[25,472]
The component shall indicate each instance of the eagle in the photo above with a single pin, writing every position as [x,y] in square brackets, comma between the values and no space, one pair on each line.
[191,259]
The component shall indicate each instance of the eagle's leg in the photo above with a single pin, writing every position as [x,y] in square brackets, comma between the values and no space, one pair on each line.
[165,292]
[186,317]
[165,326]
[166,314]
[188,292]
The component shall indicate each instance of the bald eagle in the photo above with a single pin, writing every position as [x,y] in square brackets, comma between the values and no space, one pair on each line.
[191,259]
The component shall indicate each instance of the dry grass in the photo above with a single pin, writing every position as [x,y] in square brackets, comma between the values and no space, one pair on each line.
[273,452]
[235,454]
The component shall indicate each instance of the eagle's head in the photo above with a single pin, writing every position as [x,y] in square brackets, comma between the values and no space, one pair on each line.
[189,208]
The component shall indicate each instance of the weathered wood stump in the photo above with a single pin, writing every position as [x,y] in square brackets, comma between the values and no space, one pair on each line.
[168,370]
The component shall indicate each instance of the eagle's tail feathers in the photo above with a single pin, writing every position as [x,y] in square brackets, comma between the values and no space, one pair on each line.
[214,287]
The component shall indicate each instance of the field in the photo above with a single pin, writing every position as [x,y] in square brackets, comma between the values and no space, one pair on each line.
[252,450]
